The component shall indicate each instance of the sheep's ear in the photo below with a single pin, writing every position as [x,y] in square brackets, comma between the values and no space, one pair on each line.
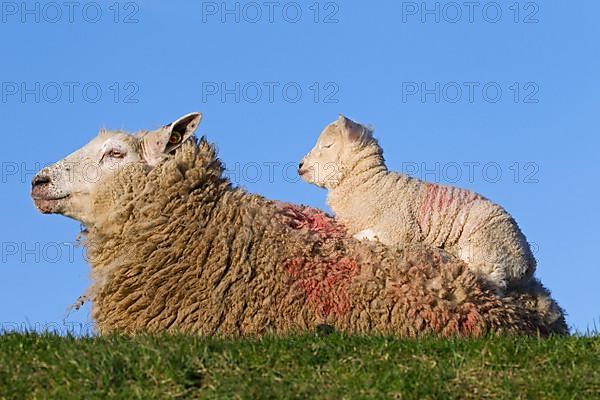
[181,130]
[353,131]
[165,140]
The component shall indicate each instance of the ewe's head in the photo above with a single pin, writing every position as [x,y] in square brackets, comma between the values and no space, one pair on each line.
[337,150]
[67,187]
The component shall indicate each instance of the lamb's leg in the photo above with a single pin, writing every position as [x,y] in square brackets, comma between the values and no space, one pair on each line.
[488,267]
[498,253]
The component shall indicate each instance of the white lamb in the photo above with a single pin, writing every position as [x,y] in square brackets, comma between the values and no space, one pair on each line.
[394,208]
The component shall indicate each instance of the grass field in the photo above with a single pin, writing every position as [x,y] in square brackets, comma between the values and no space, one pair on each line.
[311,366]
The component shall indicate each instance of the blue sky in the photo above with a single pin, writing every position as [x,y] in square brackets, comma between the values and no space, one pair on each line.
[501,99]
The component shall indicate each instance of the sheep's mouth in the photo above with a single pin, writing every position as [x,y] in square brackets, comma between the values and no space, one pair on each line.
[48,205]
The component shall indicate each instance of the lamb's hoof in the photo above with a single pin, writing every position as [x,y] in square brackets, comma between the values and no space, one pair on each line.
[324,330]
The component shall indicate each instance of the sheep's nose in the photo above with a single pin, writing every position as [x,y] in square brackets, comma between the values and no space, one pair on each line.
[40,180]
[300,165]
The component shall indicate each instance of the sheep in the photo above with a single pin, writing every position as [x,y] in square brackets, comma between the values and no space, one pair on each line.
[374,203]
[175,247]
[377,204]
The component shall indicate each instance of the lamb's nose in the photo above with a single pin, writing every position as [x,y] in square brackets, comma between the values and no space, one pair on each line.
[300,165]
[40,180]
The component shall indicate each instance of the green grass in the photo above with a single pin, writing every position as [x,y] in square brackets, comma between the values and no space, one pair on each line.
[333,367]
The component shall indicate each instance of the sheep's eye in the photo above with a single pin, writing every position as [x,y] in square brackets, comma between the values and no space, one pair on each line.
[327,145]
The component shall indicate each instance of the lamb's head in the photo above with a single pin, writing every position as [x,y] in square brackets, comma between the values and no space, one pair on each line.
[339,148]
[67,187]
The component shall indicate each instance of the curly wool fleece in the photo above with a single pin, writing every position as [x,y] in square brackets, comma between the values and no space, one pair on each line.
[179,249]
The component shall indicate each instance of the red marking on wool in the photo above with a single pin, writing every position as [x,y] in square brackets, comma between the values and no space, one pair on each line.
[439,198]
[312,219]
[442,202]
[472,324]
[325,282]
[427,204]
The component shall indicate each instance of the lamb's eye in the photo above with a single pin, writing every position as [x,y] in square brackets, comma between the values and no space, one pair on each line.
[326,146]
[115,153]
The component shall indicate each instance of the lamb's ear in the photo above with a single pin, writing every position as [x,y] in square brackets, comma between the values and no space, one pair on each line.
[163,141]
[353,131]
